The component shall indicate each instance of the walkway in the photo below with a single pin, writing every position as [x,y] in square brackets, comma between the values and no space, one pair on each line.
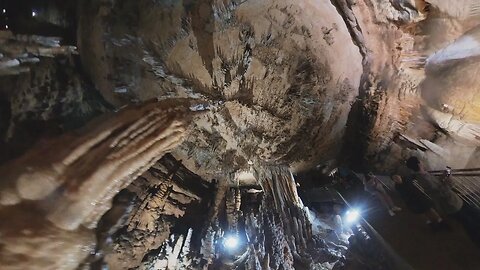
[410,237]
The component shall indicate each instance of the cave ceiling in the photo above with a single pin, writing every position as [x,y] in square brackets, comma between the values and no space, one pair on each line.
[298,83]
[279,77]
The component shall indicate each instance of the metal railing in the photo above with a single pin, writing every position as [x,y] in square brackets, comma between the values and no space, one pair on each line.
[466,183]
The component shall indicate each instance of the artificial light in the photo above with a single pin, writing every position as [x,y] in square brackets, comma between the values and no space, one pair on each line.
[231,242]
[352,216]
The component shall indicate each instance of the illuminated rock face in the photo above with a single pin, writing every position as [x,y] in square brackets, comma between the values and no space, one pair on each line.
[280,78]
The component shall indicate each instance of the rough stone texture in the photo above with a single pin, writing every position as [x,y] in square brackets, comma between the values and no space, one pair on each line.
[279,76]
[274,71]
[400,98]
[284,85]
[57,197]
[164,194]
[50,99]
[275,222]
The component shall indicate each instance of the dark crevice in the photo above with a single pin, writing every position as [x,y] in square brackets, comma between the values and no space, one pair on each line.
[362,115]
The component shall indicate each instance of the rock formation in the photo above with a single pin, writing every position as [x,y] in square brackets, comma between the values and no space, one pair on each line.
[240,94]
[61,188]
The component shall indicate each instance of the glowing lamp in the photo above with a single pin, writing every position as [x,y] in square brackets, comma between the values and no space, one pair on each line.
[352,216]
[231,242]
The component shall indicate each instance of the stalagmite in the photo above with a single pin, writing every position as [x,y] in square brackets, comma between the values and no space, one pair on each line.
[233,202]
[289,236]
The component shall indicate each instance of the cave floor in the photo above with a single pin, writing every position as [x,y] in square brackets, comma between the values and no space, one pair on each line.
[410,237]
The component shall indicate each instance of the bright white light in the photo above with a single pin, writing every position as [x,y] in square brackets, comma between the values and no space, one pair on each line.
[231,242]
[4,10]
[34,14]
[6,26]
[332,172]
[352,216]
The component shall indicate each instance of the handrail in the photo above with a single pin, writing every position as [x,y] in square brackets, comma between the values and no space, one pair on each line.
[457,170]
[361,177]
[465,183]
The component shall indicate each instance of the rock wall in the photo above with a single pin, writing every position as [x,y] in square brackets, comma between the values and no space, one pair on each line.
[42,93]
[411,104]
[284,80]
[448,128]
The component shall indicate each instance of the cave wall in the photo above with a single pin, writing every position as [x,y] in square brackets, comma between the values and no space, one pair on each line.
[43,92]
[167,204]
[272,225]
[442,128]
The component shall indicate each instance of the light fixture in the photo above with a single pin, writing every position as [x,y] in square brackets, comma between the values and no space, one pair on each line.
[6,26]
[4,11]
[34,13]
[352,216]
[231,242]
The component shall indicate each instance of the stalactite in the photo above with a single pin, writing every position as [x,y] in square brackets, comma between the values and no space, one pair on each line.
[233,202]
[274,220]
[212,231]
[208,246]
[59,190]
[282,234]
[165,193]
[274,238]
[146,224]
